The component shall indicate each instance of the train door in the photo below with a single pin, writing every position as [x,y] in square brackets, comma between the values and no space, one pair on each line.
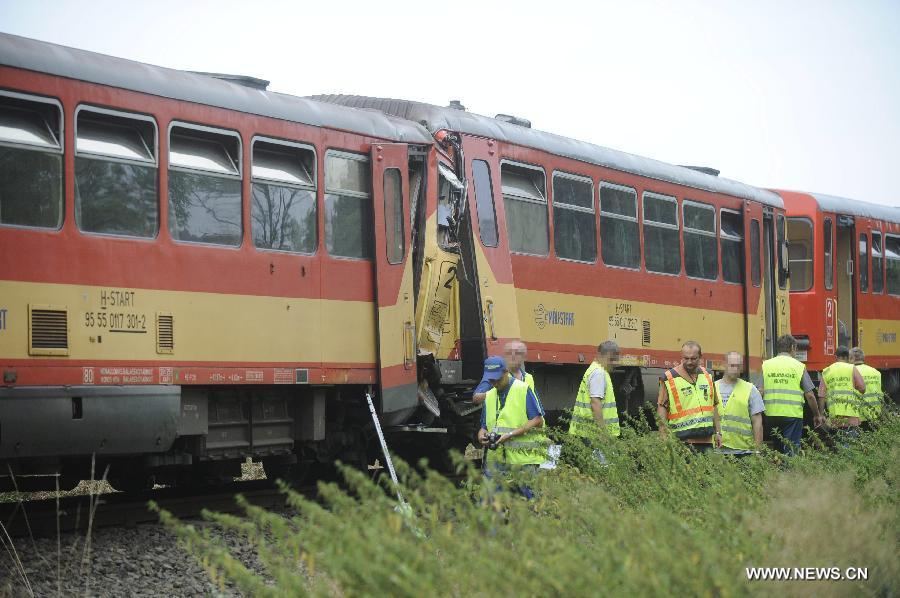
[769,285]
[845,272]
[489,310]
[393,278]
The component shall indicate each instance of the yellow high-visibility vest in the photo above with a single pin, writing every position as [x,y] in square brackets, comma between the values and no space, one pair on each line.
[782,391]
[583,422]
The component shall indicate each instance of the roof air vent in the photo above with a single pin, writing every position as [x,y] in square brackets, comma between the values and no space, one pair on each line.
[245,80]
[456,105]
[704,169]
[514,120]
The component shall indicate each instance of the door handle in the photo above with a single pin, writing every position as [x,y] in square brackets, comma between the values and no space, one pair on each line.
[409,345]
[490,316]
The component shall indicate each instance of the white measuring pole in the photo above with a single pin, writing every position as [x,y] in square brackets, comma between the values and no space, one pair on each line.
[384,448]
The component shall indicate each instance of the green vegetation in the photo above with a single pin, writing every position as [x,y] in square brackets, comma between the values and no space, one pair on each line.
[657,520]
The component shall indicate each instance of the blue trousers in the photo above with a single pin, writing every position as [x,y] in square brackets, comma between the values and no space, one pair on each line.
[791,428]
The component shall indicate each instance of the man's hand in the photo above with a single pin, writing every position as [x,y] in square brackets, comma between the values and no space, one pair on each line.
[483,437]
[717,440]
[819,420]
[503,438]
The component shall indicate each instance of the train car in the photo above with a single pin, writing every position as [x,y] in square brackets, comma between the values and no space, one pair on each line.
[844,261]
[194,270]
[569,244]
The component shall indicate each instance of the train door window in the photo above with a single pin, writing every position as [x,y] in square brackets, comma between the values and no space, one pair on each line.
[348,206]
[701,253]
[116,191]
[204,185]
[731,235]
[782,248]
[863,263]
[573,218]
[525,203]
[877,263]
[449,200]
[828,240]
[393,215]
[484,203]
[661,245]
[755,267]
[283,196]
[800,253]
[892,263]
[31,161]
[620,239]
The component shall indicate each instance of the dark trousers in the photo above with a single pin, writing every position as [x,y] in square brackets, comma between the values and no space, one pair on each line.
[791,428]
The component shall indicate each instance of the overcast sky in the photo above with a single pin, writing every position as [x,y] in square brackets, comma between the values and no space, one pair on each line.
[799,94]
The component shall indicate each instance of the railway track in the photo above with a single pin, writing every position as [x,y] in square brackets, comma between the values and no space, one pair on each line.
[77,513]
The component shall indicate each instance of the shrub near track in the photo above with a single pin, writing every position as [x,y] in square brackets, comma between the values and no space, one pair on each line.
[655,520]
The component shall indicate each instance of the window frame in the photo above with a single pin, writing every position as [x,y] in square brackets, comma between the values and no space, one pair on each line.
[756,253]
[676,227]
[545,203]
[864,274]
[263,180]
[490,181]
[724,235]
[565,206]
[58,150]
[882,270]
[636,219]
[215,131]
[885,259]
[359,157]
[694,231]
[812,248]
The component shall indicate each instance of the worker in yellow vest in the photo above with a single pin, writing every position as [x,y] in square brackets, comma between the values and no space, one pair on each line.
[841,385]
[511,425]
[514,352]
[687,402]
[740,409]
[595,404]
[786,383]
[872,399]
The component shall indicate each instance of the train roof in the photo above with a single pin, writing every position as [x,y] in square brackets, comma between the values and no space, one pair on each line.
[53,59]
[853,207]
[436,118]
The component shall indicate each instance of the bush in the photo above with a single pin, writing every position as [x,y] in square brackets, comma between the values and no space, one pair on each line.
[655,520]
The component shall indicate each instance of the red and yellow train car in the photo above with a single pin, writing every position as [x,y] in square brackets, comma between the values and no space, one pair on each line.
[845,280]
[574,243]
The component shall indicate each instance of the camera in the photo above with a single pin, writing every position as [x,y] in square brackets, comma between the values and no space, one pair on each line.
[492,441]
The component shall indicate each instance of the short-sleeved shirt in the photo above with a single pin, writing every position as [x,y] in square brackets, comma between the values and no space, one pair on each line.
[532,405]
[597,384]
[755,404]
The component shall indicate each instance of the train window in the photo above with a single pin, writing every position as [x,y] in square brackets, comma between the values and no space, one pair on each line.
[283,196]
[731,235]
[863,263]
[701,252]
[755,264]
[393,215]
[31,162]
[828,240]
[800,253]
[484,203]
[449,200]
[661,247]
[620,239]
[782,247]
[204,185]
[348,210]
[573,218]
[892,263]
[877,263]
[116,189]
[525,202]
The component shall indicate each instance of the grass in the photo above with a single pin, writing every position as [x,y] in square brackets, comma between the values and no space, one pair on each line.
[656,520]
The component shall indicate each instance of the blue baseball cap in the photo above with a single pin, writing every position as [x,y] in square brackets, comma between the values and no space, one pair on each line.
[494,367]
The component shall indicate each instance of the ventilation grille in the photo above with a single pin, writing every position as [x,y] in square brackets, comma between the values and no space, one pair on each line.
[165,333]
[645,340]
[48,331]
